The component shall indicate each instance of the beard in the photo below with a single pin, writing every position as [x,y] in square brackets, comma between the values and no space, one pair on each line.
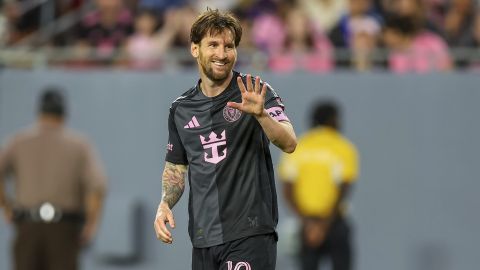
[207,69]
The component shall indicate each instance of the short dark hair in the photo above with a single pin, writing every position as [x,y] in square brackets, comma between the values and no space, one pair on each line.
[215,22]
[325,113]
[52,102]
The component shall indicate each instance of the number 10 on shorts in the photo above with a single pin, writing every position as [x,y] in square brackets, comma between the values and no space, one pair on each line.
[239,266]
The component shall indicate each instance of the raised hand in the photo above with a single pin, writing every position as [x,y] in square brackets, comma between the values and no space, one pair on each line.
[253,97]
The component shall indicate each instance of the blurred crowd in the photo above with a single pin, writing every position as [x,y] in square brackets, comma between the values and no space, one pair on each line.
[280,35]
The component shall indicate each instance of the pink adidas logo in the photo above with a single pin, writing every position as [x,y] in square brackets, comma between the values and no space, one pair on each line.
[192,123]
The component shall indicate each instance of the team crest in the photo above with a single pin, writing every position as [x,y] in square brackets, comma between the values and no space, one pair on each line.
[231,114]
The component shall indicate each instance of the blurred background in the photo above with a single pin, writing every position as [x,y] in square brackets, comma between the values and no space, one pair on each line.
[406,73]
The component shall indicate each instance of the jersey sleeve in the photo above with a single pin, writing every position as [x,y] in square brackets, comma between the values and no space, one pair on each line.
[176,153]
[274,105]
[350,172]
[288,168]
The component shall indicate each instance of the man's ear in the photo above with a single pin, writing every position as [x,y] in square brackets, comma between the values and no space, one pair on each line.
[194,49]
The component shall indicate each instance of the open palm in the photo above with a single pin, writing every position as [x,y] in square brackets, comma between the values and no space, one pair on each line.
[253,96]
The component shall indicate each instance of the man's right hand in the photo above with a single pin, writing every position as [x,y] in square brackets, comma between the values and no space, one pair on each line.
[315,232]
[164,216]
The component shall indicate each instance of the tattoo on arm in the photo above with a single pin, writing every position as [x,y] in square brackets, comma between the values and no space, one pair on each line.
[173,183]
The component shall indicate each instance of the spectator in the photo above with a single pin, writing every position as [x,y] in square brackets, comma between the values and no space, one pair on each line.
[105,30]
[475,42]
[414,50]
[459,22]
[341,33]
[59,190]
[476,31]
[10,15]
[248,52]
[146,47]
[342,36]
[268,32]
[184,16]
[435,11]
[416,10]
[26,17]
[4,26]
[303,47]
[324,14]
[365,32]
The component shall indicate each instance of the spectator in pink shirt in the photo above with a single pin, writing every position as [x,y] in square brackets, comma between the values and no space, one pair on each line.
[268,32]
[364,33]
[302,48]
[142,47]
[146,48]
[414,50]
[104,30]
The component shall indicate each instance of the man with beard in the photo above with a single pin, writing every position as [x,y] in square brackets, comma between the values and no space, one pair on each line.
[220,131]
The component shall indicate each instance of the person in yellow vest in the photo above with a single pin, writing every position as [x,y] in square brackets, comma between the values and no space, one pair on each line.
[317,178]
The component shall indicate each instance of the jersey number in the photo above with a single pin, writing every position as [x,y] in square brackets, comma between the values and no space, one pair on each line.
[239,266]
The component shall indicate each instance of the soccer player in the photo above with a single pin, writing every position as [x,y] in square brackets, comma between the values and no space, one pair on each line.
[219,130]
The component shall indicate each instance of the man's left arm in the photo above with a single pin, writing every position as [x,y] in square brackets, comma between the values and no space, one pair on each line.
[96,182]
[280,133]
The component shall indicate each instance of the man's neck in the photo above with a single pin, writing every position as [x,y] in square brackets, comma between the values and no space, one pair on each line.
[50,121]
[214,88]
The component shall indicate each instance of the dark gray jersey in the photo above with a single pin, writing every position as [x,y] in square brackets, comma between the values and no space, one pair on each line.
[230,173]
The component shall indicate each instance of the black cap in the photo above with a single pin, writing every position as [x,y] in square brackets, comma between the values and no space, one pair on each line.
[325,113]
[52,102]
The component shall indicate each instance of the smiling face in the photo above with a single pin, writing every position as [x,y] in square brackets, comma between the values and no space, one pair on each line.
[216,55]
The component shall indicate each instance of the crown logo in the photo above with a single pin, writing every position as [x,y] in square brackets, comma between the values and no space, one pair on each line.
[212,138]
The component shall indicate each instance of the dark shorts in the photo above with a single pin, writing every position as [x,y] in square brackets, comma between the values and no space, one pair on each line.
[258,252]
